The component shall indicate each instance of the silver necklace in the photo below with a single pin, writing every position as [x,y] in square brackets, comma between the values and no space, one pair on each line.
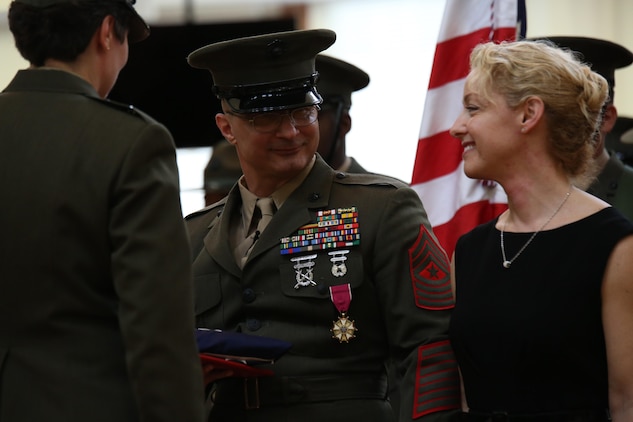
[507,263]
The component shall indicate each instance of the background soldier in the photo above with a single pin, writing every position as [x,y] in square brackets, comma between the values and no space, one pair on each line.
[337,81]
[221,173]
[613,179]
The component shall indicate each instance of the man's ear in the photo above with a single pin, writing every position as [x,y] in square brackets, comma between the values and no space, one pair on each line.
[345,124]
[609,118]
[222,121]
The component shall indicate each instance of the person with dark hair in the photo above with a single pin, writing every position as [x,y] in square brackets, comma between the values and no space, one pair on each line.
[337,81]
[543,293]
[345,267]
[96,308]
[612,179]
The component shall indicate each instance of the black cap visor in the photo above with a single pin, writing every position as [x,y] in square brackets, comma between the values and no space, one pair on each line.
[270,97]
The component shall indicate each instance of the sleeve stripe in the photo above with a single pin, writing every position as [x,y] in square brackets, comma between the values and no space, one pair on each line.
[437,380]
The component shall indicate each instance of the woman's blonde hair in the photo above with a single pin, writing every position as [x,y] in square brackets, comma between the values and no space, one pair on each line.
[572,93]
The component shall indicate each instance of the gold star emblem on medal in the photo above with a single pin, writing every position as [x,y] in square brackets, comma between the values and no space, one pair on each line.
[343,329]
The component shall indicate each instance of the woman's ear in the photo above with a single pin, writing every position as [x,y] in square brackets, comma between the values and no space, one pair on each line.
[106,32]
[532,112]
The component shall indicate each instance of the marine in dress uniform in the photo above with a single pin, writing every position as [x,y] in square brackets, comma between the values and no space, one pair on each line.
[348,269]
[95,276]
[221,172]
[615,182]
[613,179]
[337,81]
[620,139]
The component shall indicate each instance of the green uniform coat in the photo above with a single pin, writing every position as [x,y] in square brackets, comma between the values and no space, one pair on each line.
[400,305]
[615,186]
[95,292]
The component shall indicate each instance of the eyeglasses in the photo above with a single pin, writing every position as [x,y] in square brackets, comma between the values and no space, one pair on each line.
[270,121]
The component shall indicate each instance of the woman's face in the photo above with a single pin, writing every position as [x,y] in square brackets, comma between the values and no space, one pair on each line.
[487,128]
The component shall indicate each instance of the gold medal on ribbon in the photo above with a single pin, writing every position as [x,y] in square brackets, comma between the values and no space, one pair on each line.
[343,329]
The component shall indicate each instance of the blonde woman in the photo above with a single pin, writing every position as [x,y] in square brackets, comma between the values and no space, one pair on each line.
[544,293]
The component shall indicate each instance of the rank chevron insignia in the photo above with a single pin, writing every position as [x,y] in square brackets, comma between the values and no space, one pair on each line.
[430,273]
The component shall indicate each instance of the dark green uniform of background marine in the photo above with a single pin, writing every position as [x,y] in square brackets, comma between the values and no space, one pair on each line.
[398,276]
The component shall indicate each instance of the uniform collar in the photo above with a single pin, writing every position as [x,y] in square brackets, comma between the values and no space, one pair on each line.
[279,196]
[46,79]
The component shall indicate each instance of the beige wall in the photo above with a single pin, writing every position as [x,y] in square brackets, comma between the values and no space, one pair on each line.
[11,59]
[393,40]
[606,19]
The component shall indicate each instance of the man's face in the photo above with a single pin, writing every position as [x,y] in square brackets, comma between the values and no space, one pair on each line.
[270,151]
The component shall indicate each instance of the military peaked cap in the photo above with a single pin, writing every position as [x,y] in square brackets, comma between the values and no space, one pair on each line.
[138,30]
[265,72]
[603,56]
[338,79]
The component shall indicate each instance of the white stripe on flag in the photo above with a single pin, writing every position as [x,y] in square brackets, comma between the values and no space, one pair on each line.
[447,103]
[462,17]
[465,23]
[453,191]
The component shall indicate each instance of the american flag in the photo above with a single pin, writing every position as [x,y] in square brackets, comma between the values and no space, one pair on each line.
[456,204]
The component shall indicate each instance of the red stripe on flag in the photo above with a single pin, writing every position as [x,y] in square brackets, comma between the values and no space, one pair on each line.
[464,220]
[505,34]
[451,60]
[440,154]
[464,25]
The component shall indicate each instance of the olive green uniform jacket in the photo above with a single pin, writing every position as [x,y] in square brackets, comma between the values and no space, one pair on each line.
[355,167]
[615,186]
[400,305]
[96,302]
[393,393]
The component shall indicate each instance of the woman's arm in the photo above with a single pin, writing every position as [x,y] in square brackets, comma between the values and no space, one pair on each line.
[617,317]
[464,405]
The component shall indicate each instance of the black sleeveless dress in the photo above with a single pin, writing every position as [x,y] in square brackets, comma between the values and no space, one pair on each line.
[529,339]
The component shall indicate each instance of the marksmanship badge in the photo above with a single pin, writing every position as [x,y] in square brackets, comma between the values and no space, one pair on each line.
[303,270]
[339,269]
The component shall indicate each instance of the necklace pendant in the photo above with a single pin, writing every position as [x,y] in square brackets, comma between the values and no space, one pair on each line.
[506,264]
